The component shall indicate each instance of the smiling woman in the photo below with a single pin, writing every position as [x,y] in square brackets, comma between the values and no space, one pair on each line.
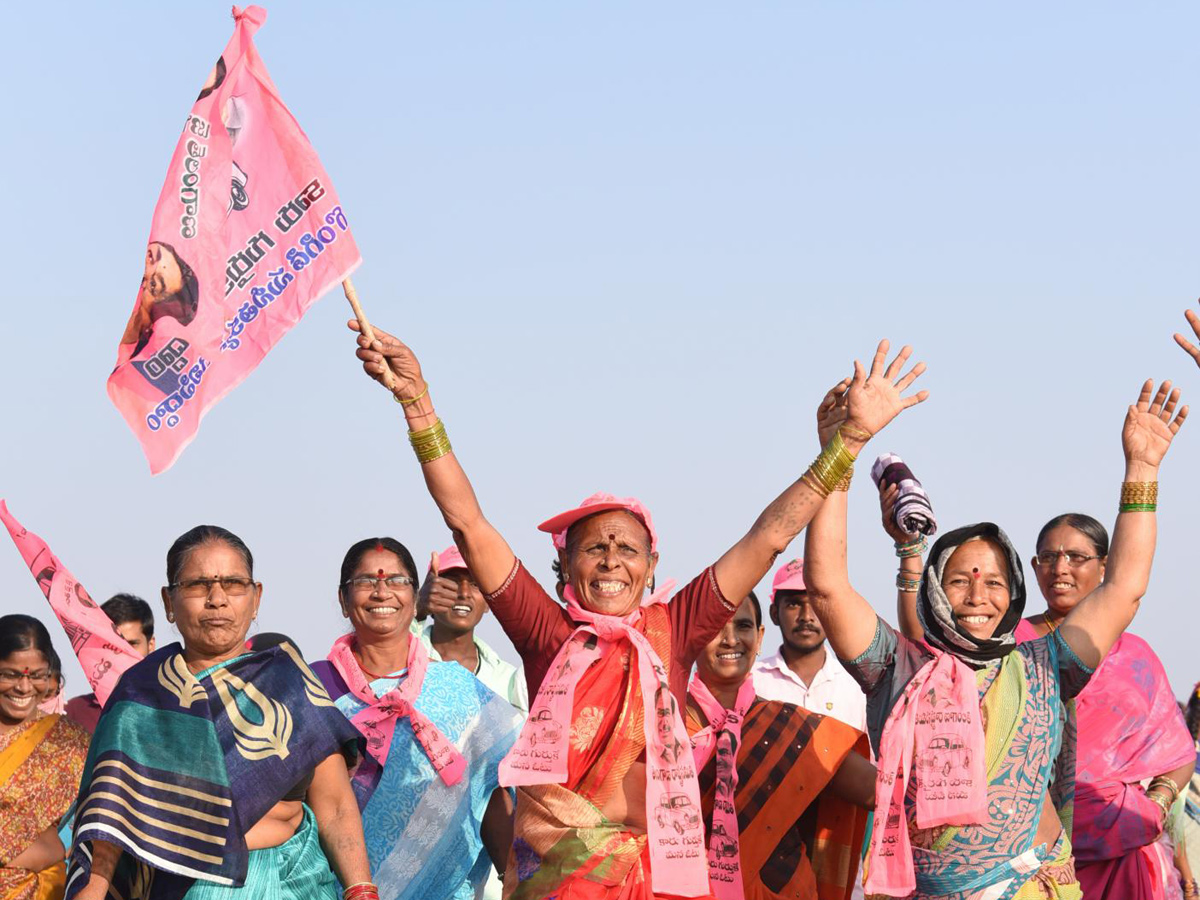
[41,757]
[435,819]
[245,749]
[607,793]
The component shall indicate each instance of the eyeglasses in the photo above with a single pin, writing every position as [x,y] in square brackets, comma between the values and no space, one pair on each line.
[364,583]
[40,680]
[1047,558]
[195,588]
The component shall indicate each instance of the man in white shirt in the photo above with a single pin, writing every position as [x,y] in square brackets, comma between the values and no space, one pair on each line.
[454,605]
[803,671]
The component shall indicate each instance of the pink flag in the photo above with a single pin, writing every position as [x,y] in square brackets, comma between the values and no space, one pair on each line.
[103,653]
[247,235]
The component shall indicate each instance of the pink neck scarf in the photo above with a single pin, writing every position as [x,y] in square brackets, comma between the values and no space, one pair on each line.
[378,721]
[934,735]
[674,825]
[724,735]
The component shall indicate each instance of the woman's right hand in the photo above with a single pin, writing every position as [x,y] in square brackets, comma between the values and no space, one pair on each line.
[388,352]
[888,495]
[874,398]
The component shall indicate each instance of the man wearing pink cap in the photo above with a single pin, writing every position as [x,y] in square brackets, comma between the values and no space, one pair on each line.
[608,802]
[803,671]
[451,606]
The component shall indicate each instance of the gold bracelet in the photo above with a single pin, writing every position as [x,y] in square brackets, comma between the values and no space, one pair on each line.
[832,464]
[856,433]
[812,482]
[430,443]
[1139,496]
[404,402]
[844,484]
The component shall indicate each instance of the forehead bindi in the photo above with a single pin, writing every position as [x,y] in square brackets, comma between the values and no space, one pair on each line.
[615,527]
[379,563]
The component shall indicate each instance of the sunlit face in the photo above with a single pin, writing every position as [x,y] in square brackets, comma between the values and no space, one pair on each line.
[136,638]
[976,582]
[798,623]
[162,276]
[727,659]
[1063,586]
[19,698]
[378,610]
[469,605]
[214,624]
[609,562]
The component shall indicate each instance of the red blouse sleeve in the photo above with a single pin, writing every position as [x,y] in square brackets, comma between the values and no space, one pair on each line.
[698,612]
[536,624]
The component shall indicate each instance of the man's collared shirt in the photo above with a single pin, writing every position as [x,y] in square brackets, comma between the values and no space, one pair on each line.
[832,692]
[501,676]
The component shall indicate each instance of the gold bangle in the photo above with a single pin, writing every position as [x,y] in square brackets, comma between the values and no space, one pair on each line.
[834,461]
[430,443]
[844,484]
[813,483]
[1139,492]
[404,402]
[856,433]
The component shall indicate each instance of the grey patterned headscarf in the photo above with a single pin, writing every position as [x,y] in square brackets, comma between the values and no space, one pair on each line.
[933,606]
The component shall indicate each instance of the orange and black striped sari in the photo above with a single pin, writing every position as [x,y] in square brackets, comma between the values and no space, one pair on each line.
[796,840]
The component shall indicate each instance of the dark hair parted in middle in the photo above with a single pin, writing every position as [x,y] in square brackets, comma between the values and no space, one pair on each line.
[20,632]
[1084,524]
[355,554]
[204,534]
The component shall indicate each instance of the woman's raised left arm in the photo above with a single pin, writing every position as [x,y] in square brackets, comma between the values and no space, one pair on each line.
[1092,627]
[338,821]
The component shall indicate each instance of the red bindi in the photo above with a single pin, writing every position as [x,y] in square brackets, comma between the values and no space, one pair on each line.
[976,571]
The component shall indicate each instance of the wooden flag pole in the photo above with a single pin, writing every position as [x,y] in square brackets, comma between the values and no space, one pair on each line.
[352,295]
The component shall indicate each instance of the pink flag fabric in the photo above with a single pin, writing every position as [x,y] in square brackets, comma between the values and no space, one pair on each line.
[247,235]
[103,653]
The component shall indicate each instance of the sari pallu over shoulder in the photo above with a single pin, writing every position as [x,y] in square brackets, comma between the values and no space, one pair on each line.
[39,774]
[181,766]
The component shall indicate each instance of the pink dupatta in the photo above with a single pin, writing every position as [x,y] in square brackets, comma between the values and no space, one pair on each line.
[934,735]
[673,822]
[724,725]
[378,721]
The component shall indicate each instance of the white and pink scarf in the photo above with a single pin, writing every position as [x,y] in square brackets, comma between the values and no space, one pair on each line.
[674,823]
[378,721]
[934,735]
[722,734]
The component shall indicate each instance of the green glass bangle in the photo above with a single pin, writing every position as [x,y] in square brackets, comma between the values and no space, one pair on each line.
[1138,507]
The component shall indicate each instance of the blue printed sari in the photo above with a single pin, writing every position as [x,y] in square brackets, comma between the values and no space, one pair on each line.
[422,835]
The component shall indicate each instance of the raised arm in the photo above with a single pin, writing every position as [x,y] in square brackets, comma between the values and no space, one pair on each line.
[744,564]
[485,551]
[1094,625]
[871,402]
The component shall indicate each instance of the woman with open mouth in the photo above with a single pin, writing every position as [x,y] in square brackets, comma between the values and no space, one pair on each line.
[435,818]
[218,772]
[41,758]
[974,795]
[608,800]
[788,773]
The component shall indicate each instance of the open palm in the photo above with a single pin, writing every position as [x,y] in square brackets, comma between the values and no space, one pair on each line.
[875,398]
[1149,426]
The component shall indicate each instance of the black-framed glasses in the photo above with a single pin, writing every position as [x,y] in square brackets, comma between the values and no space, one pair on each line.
[39,680]
[195,588]
[364,583]
[1047,558]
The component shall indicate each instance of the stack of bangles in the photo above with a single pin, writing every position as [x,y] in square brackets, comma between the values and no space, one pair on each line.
[914,548]
[430,443]
[834,467]
[364,890]
[1190,890]
[1139,496]
[1163,802]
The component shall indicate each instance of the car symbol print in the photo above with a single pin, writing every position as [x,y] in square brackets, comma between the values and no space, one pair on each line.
[545,730]
[676,811]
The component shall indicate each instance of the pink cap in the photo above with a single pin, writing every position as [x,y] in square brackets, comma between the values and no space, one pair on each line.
[597,503]
[450,558]
[790,577]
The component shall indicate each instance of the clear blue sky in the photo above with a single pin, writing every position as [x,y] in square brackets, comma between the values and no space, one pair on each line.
[633,244]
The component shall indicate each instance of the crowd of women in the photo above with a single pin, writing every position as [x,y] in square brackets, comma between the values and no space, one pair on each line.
[1005,755]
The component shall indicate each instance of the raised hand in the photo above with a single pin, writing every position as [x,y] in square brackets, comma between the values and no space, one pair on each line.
[832,411]
[874,398]
[888,495]
[389,351]
[1192,350]
[1149,426]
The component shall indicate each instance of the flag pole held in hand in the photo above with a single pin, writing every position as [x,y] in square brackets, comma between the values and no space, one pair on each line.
[368,332]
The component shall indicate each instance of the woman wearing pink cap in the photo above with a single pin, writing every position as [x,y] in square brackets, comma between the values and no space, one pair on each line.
[608,804]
